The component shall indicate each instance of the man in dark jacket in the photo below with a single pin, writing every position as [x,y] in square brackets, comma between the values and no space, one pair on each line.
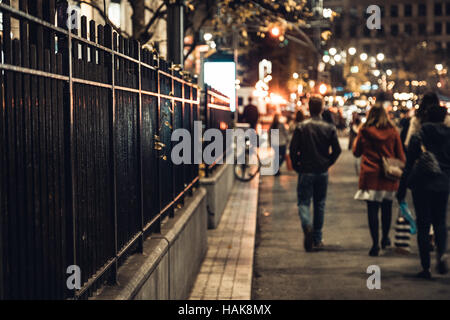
[251,114]
[311,158]
[430,193]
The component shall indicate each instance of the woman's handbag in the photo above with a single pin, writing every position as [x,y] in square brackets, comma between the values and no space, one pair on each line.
[392,168]
[426,166]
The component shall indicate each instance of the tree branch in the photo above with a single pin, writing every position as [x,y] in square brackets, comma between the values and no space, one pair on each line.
[202,23]
[157,14]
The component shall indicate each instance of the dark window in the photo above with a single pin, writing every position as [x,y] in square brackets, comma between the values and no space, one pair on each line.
[447,8]
[394,51]
[366,32]
[448,27]
[394,30]
[338,31]
[394,10]
[422,9]
[438,9]
[240,101]
[437,28]
[382,11]
[408,29]
[408,10]
[422,29]
[448,48]
[353,31]
[367,49]
[380,32]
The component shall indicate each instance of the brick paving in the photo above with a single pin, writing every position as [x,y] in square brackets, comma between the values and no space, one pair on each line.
[226,273]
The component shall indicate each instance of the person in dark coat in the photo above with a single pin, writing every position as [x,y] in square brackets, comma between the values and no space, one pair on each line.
[377,138]
[311,157]
[251,114]
[430,194]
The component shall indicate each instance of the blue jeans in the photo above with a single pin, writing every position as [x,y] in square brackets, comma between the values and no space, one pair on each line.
[312,186]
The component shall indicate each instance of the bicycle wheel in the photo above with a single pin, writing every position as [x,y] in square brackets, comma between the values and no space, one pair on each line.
[246,172]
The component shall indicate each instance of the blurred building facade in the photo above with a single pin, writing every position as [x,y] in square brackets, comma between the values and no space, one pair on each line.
[420,20]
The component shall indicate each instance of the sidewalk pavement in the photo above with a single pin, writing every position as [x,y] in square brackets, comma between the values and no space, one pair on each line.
[226,273]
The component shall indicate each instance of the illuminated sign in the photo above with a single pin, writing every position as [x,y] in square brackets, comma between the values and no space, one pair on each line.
[221,75]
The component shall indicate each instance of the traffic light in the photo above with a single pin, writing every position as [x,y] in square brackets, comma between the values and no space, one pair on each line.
[275,31]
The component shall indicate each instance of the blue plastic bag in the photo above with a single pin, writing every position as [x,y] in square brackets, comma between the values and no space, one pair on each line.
[406,213]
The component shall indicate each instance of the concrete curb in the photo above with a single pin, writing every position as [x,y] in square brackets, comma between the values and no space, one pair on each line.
[218,188]
[153,274]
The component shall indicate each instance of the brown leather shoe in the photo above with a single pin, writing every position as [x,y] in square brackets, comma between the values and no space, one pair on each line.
[319,245]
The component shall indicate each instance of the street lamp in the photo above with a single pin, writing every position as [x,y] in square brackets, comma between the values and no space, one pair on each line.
[380,57]
[352,51]
[389,72]
[439,67]
[295,75]
[207,36]
[323,89]
[327,13]
[337,58]
[326,59]
[363,56]
[333,51]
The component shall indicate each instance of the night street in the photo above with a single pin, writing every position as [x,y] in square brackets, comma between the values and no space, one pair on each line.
[152,150]
[283,270]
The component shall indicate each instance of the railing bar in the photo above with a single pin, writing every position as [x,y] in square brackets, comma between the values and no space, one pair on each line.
[218,107]
[167,207]
[126,89]
[143,64]
[92,83]
[177,79]
[39,73]
[155,94]
[217,95]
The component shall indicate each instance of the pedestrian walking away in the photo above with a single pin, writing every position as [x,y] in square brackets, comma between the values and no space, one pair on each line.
[376,139]
[429,100]
[251,114]
[311,158]
[282,141]
[427,173]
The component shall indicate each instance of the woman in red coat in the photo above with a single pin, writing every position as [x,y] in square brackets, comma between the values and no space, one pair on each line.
[377,138]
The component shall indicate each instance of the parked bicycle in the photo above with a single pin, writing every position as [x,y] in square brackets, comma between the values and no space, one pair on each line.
[252,165]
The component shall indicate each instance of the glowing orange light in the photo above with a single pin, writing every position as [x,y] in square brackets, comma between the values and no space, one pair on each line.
[323,89]
[223,125]
[275,31]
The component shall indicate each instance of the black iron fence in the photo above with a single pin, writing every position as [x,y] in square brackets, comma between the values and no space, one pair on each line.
[85,136]
[216,114]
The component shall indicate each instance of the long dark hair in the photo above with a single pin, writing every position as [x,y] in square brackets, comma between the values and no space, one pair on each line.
[378,118]
[429,100]
[276,121]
